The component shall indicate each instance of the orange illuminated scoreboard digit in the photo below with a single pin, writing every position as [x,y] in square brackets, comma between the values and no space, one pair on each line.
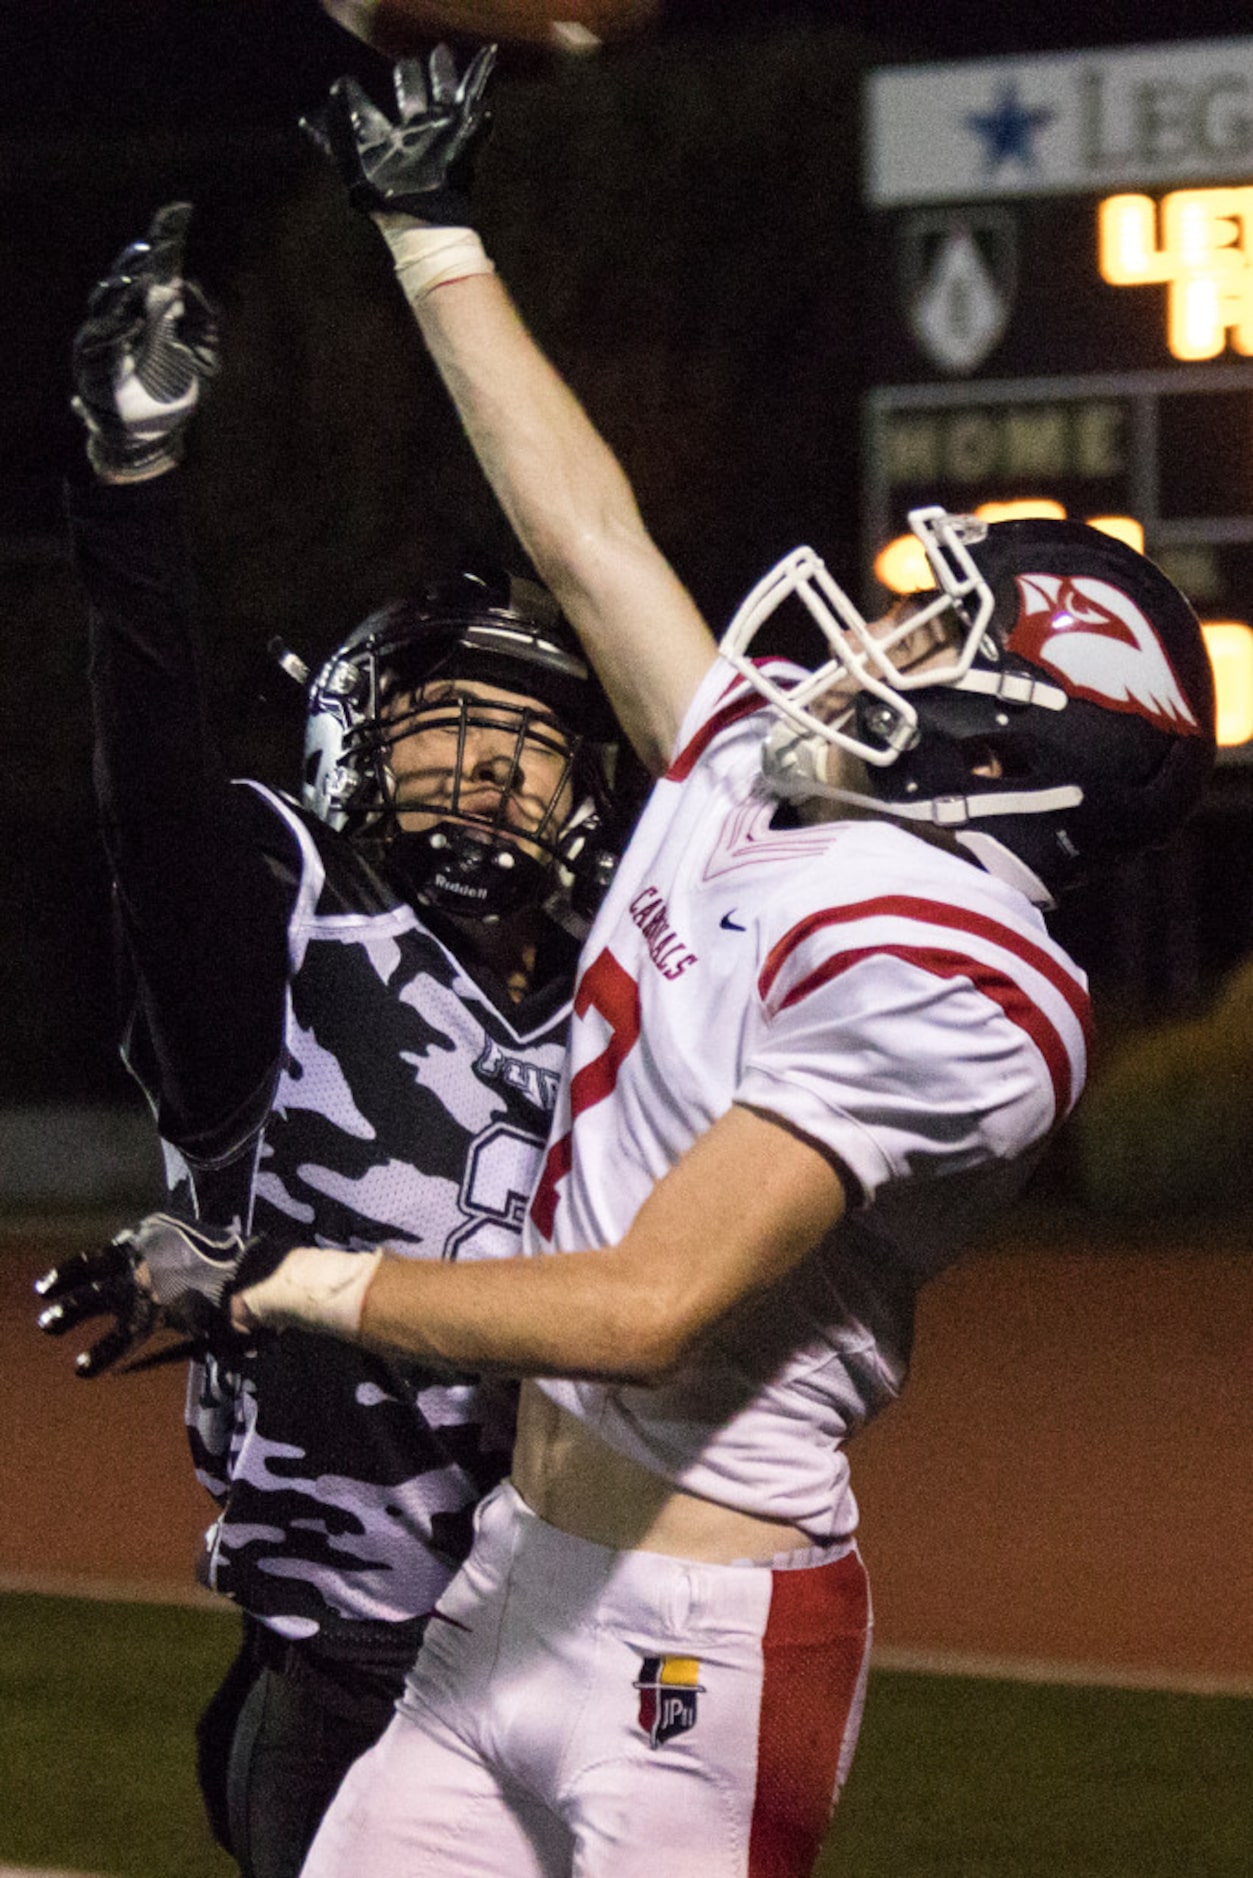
[1062,252]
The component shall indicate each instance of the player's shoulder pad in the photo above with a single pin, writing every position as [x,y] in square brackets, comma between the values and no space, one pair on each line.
[352,883]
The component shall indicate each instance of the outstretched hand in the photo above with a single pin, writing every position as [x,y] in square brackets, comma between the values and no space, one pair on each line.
[99,1284]
[142,354]
[419,161]
[162,1274]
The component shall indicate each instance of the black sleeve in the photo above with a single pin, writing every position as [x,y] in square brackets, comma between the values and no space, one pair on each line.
[202,906]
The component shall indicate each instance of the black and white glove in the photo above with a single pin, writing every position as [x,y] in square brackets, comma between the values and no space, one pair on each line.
[141,356]
[162,1274]
[420,161]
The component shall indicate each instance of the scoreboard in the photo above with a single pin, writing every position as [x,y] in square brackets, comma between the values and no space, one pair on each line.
[1060,310]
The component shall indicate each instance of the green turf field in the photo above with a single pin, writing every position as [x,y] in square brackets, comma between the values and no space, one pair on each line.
[954,1778]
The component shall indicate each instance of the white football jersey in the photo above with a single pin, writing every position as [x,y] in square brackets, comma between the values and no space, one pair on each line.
[883,997]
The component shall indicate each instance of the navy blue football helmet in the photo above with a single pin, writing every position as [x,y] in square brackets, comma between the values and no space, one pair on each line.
[1059,719]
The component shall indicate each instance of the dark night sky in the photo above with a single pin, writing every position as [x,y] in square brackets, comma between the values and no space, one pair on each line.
[74,73]
[120,63]
[77,73]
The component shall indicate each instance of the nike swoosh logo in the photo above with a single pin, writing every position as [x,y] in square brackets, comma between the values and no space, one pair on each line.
[731,925]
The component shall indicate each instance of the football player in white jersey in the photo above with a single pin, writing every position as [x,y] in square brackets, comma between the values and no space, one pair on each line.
[821,1034]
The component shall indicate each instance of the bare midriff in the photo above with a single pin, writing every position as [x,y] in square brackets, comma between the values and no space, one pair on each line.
[572,1480]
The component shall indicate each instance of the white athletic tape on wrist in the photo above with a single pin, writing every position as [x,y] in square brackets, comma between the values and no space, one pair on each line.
[315,1288]
[426,257]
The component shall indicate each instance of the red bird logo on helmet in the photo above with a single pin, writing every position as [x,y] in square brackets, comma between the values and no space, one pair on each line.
[1101,646]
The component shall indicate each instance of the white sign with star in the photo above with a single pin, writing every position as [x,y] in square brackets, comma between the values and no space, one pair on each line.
[1054,124]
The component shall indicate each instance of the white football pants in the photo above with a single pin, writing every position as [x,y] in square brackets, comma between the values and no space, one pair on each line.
[577,1712]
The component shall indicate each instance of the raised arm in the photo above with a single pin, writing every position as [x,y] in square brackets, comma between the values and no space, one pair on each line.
[202,915]
[559,483]
[573,510]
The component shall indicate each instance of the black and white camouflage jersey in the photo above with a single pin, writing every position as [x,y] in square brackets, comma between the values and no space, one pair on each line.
[407,1108]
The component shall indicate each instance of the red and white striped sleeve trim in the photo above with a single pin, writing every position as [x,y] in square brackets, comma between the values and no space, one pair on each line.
[736,701]
[996,979]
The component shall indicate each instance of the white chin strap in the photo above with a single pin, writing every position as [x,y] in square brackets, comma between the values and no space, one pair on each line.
[947,811]
[995,858]
[796,767]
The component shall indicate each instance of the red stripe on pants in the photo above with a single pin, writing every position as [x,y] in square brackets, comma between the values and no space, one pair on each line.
[813,1650]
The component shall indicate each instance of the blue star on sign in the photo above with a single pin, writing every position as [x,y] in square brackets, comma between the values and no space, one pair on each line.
[1009,129]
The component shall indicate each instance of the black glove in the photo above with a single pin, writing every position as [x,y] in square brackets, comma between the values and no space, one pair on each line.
[419,164]
[162,1274]
[148,342]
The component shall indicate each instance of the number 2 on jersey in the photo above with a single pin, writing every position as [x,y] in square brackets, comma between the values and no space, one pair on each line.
[605,987]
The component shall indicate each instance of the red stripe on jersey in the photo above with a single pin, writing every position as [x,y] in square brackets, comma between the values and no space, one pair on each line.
[813,1652]
[724,716]
[935,913]
[1011,998]
[688,757]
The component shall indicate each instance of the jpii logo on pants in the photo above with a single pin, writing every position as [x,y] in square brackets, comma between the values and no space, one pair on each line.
[668,1687]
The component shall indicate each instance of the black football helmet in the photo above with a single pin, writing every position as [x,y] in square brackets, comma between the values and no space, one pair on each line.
[1068,723]
[391,677]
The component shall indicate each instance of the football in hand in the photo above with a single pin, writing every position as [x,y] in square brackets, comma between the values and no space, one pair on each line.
[399,28]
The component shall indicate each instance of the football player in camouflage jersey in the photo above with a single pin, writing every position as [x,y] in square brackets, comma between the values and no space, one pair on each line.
[349,1013]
